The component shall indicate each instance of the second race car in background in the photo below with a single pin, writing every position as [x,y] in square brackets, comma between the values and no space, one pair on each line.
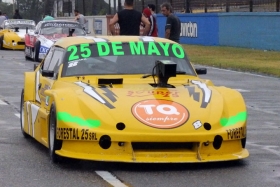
[13,32]
[46,33]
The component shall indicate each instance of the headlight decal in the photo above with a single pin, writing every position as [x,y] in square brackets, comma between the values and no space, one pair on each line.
[240,117]
[66,117]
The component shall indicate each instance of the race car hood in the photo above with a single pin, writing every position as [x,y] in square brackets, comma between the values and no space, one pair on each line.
[183,107]
[55,37]
[21,33]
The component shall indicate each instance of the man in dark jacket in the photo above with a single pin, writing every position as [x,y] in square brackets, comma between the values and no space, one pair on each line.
[17,15]
[173,23]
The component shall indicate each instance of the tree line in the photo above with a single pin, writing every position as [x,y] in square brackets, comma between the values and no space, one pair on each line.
[37,9]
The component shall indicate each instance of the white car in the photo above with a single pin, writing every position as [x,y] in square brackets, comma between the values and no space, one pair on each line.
[38,42]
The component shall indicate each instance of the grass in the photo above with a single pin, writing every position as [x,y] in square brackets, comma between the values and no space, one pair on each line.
[241,59]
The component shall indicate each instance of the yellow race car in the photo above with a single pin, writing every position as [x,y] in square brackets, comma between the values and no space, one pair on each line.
[12,33]
[130,99]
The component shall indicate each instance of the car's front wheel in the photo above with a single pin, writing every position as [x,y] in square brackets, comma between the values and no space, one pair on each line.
[36,51]
[22,115]
[54,144]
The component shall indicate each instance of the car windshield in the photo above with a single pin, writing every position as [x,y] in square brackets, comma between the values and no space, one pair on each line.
[123,58]
[20,26]
[62,28]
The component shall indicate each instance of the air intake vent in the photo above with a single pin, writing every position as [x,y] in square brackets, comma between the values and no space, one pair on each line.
[161,145]
[110,81]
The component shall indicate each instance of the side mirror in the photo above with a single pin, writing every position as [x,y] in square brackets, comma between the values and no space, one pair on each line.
[47,73]
[201,71]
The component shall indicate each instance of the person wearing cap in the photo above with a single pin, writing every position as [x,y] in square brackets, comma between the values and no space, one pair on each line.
[80,18]
[47,18]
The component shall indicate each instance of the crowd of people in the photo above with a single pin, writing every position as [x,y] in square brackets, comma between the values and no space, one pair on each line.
[129,20]
[3,16]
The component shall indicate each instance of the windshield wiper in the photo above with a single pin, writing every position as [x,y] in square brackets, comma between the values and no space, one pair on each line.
[147,75]
[180,72]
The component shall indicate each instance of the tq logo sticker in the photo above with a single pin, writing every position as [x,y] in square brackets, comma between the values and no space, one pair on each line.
[162,114]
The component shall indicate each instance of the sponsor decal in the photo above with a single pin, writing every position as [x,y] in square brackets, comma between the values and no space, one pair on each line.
[189,30]
[161,114]
[206,93]
[66,117]
[119,49]
[144,93]
[236,133]
[197,124]
[44,49]
[67,25]
[29,22]
[91,91]
[75,134]
[240,117]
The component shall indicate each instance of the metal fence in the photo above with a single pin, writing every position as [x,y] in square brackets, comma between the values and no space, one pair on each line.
[208,6]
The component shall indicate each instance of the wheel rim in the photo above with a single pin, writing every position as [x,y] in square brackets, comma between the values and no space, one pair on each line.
[52,134]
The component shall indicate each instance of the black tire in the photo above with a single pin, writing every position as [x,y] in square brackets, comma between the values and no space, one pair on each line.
[54,144]
[1,42]
[26,57]
[36,51]
[25,135]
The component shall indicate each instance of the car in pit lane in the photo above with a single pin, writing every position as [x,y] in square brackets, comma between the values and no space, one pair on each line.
[12,33]
[46,33]
[130,99]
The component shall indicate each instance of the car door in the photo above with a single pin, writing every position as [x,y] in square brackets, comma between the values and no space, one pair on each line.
[50,64]
[37,112]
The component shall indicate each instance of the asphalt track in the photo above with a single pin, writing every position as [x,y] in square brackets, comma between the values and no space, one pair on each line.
[24,162]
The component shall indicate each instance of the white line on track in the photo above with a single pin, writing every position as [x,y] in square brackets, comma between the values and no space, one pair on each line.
[270,148]
[240,72]
[3,103]
[110,178]
[107,176]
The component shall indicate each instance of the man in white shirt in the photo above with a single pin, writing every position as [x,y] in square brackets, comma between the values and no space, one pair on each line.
[80,18]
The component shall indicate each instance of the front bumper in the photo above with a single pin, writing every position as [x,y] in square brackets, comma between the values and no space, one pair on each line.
[119,151]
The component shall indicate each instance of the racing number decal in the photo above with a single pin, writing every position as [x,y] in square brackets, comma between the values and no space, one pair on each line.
[73,55]
[84,50]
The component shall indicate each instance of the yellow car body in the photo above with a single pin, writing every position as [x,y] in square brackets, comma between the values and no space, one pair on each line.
[12,35]
[91,98]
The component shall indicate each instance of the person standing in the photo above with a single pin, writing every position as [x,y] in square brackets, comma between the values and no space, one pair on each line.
[129,21]
[153,28]
[5,14]
[173,23]
[152,7]
[2,18]
[80,18]
[17,15]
